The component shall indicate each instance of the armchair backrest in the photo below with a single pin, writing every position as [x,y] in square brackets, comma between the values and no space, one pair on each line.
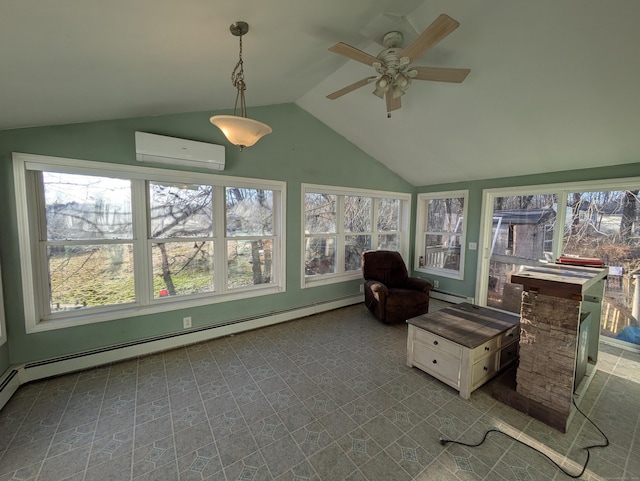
[386,267]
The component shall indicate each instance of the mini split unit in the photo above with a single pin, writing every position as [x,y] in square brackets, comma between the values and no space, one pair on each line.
[175,151]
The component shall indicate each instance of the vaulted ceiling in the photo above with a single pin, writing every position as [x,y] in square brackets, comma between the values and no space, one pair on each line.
[553,84]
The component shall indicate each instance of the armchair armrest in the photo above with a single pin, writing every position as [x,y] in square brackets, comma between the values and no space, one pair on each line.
[419,284]
[379,290]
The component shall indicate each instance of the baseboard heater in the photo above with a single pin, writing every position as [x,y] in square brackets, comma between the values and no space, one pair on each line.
[448,297]
[32,371]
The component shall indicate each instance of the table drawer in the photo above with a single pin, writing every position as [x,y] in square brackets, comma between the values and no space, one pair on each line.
[437,342]
[510,335]
[490,347]
[438,363]
[508,355]
[483,370]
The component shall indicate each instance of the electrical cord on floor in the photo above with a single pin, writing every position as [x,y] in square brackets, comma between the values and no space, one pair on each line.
[588,449]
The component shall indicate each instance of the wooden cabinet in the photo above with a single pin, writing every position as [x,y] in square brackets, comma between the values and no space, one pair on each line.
[463,346]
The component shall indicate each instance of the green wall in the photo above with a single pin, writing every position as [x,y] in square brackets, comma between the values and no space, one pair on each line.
[467,286]
[300,150]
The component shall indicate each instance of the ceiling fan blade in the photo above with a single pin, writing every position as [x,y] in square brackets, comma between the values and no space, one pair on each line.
[350,88]
[436,74]
[439,29]
[354,53]
[392,103]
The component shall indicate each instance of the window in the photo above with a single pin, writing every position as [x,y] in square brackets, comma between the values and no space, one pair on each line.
[440,233]
[339,224]
[102,241]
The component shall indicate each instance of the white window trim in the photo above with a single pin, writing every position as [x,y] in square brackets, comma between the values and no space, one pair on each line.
[22,163]
[3,322]
[421,212]
[405,216]
[562,190]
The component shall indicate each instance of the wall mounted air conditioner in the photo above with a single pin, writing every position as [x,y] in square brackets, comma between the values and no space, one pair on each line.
[175,151]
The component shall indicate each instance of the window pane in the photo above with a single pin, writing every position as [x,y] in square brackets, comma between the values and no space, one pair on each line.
[357,214]
[180,210]
[355,245]
[522,235]
[445,215]
[320,255]
[90,275]
[390,242]
[388,215]
[86,207]
[442,251]
[250,262]
[181,268]
[320,213]
[249,212]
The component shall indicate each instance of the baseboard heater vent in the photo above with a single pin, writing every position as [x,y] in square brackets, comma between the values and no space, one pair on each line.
[448,297]
[9,384]
[100,356]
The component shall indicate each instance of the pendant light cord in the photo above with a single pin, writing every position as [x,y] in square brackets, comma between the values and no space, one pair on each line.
[237,79]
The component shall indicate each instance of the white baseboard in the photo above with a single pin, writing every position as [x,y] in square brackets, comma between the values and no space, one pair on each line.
[33,371]
[453,298]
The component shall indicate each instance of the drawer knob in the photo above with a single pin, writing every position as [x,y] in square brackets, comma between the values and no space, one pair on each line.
[487,348]
[435,343]
[434,361]
[485,368]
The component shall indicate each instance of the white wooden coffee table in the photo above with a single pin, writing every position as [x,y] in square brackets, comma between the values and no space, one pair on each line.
[464,345]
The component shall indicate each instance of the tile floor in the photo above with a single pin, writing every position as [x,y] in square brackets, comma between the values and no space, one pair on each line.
[327,397]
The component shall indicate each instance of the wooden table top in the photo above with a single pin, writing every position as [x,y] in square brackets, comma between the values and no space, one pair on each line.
[466,324]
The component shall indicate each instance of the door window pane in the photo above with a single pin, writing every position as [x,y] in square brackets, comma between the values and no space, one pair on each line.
[522,233]
[605,225]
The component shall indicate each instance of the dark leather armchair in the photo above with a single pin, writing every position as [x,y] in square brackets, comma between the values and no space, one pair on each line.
[389,293]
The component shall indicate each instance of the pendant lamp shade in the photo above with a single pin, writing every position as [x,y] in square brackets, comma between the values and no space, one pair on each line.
[240,131]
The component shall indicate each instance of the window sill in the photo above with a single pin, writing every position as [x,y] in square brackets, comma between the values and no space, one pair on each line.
[156,307]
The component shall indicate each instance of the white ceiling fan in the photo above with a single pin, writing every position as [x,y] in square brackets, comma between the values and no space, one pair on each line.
[394,64]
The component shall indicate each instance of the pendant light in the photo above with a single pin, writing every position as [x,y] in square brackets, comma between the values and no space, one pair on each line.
[238,129]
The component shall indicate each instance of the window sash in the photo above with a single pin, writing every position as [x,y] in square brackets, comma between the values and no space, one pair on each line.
[452,253]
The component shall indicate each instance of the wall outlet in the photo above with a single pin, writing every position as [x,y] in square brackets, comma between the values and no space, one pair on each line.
[361,288]
[436,283]
[186,322]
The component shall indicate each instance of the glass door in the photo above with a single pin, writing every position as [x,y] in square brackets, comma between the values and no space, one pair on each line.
[522,234]
[603,225]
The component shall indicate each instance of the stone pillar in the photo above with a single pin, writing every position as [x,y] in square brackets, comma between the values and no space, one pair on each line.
[549,328]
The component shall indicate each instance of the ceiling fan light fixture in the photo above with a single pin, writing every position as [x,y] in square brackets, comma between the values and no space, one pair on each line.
[402,81]
[397,92]
[239,129]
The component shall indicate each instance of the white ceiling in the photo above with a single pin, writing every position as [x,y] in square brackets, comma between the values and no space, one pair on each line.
[553,84]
